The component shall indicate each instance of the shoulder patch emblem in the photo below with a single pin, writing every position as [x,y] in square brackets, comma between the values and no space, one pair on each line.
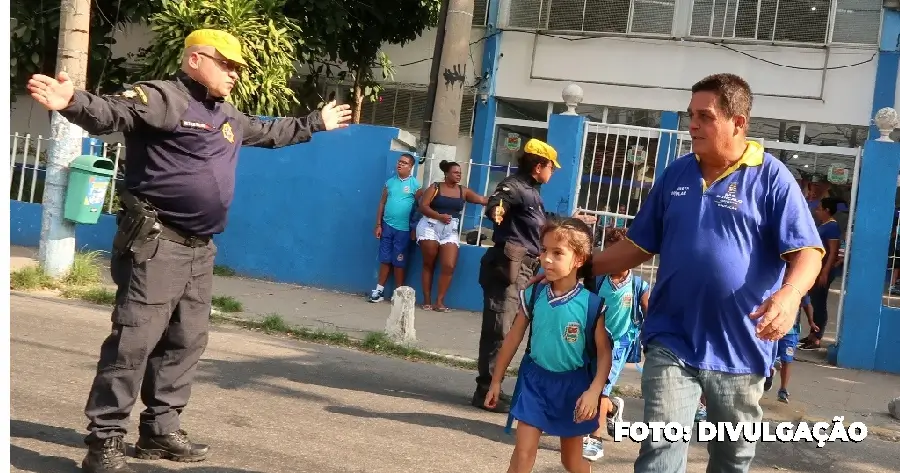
[135,93]
[227,132]
[140,93]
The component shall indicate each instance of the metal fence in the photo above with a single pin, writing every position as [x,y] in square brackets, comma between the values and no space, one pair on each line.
[28,168]
[791,21]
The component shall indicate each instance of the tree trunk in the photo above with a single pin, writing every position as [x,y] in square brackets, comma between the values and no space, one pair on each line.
[358,95]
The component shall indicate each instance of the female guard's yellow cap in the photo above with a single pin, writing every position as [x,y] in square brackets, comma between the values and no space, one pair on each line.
[226,44]
[539,148]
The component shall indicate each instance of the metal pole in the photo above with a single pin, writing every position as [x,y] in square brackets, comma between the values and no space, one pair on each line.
[57,246]
[451,83]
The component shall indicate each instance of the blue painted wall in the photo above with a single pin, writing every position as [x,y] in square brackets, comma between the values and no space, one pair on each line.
[25,228]
[566,134]
[668,146]
[870,332]
[885,91]
[485,119]
[305,214]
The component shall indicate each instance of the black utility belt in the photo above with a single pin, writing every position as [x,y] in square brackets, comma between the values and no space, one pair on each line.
[193,241]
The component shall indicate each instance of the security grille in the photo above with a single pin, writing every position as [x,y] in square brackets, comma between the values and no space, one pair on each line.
[799,21]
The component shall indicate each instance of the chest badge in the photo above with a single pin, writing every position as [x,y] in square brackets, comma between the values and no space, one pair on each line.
[227,132]
[572,331]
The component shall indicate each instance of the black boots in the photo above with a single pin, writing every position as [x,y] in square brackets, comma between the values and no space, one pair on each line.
[175,446]
[106,456]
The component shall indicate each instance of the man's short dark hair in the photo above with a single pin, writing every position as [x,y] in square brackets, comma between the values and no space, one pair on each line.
[735,97]
[409,158]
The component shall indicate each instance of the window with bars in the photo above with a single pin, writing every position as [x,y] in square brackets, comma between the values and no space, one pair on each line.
[404,107]
[798,21]
[480,13]
[597,16]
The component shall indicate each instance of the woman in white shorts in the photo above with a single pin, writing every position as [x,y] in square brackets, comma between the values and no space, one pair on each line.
[438,231]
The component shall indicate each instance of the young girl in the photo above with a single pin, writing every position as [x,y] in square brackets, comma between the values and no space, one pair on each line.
[556,392]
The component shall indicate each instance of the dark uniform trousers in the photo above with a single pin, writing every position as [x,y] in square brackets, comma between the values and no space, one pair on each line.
[160,329]
[505,270]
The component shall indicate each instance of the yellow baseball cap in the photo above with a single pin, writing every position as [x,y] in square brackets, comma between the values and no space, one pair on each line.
[226,44]
[539,148]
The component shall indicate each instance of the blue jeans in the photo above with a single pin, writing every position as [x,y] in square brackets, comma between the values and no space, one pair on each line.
[671,394]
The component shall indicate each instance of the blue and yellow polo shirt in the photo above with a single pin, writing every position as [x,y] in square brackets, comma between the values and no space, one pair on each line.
[722,251]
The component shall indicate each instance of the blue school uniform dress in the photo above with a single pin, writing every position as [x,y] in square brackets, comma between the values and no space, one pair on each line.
[555,371]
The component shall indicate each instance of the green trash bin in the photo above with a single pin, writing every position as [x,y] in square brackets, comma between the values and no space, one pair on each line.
[89,181]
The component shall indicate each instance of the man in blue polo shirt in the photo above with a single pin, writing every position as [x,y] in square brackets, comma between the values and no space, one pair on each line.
[738,249]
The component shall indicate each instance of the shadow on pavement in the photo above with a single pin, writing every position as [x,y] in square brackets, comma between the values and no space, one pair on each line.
[490,431]
[23,429]
[28,460]
[338,369]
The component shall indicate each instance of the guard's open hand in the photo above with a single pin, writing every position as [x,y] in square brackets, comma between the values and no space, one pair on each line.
[335,116]
[53,94]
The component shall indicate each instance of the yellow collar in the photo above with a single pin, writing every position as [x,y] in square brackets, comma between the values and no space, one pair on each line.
[753,156]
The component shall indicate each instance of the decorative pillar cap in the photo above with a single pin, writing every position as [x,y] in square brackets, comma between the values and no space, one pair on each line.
[572,95]
[886,120]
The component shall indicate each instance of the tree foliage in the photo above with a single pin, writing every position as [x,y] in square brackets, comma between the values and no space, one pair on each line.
[35,39]
[268,39]
[345,37]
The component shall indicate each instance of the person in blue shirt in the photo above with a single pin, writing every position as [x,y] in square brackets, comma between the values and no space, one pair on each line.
[784,352]
[557,392]
[830,233]
[392,224]
[626,297]
[738,250]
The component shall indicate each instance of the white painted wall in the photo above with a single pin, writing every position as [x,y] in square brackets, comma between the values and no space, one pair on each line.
[665,70]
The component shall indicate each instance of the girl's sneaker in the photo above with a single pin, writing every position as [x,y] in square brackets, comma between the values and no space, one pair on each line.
[617,414]
[783,395]
[701,414]
[592,449]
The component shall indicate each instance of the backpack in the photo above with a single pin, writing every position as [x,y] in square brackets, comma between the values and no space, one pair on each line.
[637,316]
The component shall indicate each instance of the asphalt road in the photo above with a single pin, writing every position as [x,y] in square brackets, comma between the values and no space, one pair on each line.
[268,404]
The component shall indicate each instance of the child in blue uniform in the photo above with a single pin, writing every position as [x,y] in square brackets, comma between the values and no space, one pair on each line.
[566,366]
[785,349]
[626,297]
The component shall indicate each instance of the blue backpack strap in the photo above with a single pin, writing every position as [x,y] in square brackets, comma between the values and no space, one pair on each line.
[532,300]
[637,317]
[596,306]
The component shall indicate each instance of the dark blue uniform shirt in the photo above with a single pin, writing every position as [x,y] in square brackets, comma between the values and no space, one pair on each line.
[182,146]
[524,212]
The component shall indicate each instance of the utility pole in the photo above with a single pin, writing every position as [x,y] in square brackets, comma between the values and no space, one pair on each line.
[57,247]
[444,130]
[425,133]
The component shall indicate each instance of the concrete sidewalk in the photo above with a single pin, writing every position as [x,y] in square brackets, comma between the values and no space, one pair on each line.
[818,391]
